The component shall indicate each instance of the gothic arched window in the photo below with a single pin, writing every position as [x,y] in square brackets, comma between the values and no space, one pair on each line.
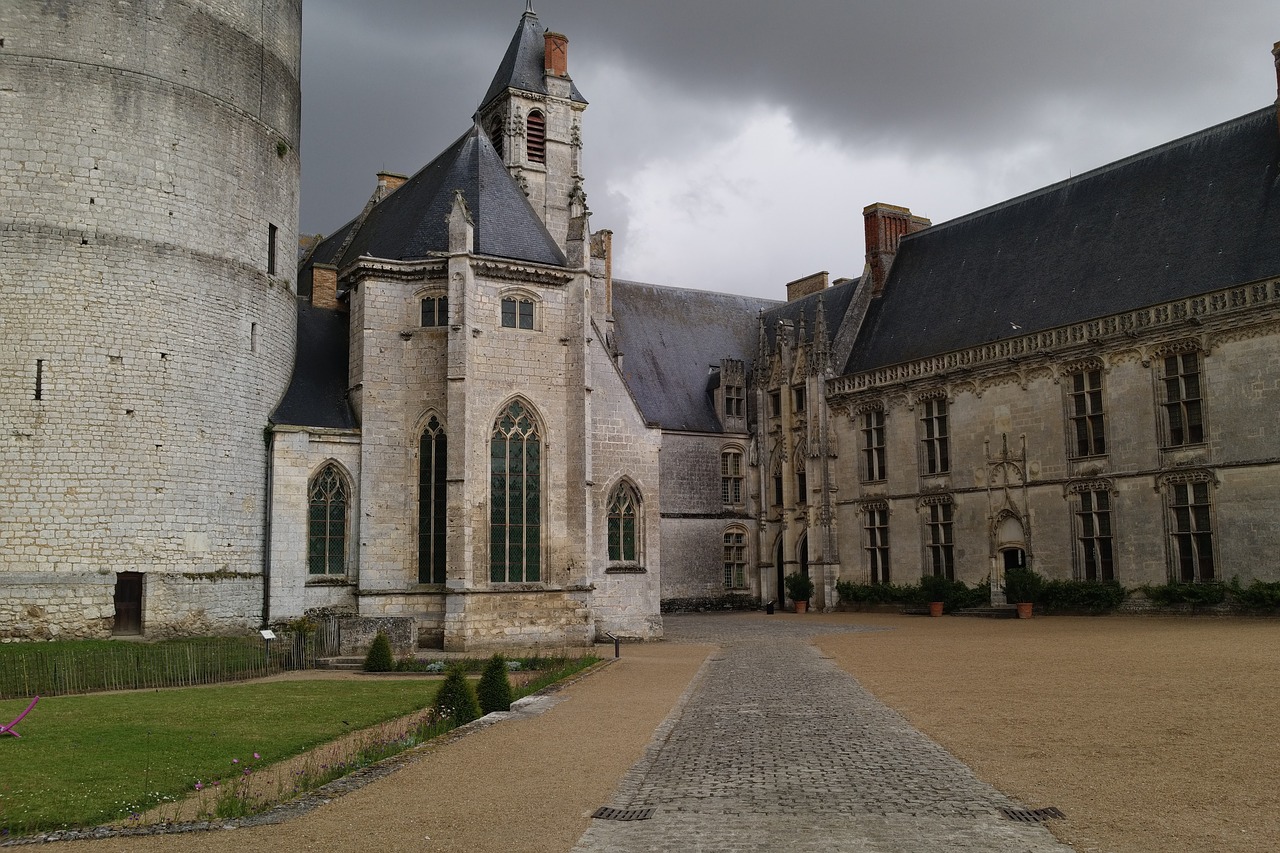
[515,512]
[327,523]
[624,524]
[432,502]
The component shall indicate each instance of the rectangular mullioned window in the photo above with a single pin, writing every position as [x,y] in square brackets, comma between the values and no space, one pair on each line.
[1093,531]
[517,313]
[942,555]
[435,311]
[876,522]
[1192,532]
[735,401]
[1088,427]
[1184,417]
[935,441]
[873,446]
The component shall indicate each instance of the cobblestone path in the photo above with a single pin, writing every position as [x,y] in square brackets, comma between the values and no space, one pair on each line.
[775,748]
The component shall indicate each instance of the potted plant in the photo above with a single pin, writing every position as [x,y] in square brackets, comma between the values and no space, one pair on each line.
[935,590]
[799,589]
[1022,587]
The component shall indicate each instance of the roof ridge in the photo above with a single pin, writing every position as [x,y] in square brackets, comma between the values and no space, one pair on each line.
[1089,175]
[617,280]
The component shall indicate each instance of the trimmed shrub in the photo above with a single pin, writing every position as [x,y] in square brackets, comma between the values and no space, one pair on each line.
[1022,585]
[1197,594]
[1081,595]
[799,587]
[1261,595]
[494,689]
[379,658]
[456,700]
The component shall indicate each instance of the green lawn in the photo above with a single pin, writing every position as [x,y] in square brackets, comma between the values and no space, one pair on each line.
[83,760]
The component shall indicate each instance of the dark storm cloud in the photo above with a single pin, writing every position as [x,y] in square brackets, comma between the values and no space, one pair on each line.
[390,84]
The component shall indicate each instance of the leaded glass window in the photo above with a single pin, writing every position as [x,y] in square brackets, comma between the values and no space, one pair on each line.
[432,503]
[942,557]
[515,513]
[735,558]
[624,512]
[327,523]
[1183,414]
[731,477]
[1087,424]
[1192,532]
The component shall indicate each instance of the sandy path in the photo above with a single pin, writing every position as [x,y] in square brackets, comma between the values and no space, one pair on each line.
[1152,734]
[527,784]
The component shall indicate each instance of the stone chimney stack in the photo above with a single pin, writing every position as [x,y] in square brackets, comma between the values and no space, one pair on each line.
[803,287]
[557,50]
[886,225]
[389,182]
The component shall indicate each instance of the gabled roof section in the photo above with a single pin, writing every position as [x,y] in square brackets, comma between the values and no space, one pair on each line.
[1198,214]
[409,223]
[524,65]
[670,338]
[317,394]
[835,303]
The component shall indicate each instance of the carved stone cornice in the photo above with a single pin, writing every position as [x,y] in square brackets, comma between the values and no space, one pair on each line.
[525,273]
[431,269]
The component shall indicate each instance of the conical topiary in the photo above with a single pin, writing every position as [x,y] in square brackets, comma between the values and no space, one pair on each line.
[456,700]
[494,690]
[379,658]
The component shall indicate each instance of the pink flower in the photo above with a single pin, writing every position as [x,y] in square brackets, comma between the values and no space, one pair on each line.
[256,756]
[235,761]
[199,785]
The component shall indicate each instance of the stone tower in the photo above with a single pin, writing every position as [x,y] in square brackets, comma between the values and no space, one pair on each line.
[148,232]
[532,113]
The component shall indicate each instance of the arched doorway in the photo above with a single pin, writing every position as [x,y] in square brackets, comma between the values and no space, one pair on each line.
[1014,558]
[802,552]
[780,570]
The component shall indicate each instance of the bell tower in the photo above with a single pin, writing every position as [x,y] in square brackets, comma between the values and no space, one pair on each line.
[532,113]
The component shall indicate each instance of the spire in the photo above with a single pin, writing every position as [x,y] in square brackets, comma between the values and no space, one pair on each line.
[524,66]
[820,352]
[528,8]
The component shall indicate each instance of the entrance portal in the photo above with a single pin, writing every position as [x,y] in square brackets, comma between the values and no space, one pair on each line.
[1015,558]
[779,590]
[128,601]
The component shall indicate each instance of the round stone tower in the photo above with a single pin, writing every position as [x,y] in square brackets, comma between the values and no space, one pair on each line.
[148,237]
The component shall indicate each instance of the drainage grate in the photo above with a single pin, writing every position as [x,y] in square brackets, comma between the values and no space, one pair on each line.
[607,813]
[1033,815]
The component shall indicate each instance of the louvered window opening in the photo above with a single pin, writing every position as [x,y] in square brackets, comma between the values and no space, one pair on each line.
[536,138]
[432,503]
[515,524]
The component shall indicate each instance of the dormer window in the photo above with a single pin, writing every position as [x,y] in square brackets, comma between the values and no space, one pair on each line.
[536,137]
[734,401]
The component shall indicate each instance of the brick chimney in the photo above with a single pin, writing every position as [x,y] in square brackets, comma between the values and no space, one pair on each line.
[324,285]
[389,182]
[886,225]
[557,51]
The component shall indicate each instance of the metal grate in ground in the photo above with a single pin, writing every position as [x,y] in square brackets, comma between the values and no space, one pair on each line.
[608,813]
[1034,815]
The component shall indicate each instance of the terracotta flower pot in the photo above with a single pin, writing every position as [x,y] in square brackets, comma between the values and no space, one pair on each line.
[801,605]
[1024,609]
[935,608]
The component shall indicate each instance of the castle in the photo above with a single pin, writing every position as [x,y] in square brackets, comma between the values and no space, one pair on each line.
[455,419]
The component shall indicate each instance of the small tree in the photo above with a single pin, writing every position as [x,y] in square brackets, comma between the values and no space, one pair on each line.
[799,587]
[379,658]
[494,690]
[456,700]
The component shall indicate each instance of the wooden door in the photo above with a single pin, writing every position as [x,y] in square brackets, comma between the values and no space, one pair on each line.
[128,600]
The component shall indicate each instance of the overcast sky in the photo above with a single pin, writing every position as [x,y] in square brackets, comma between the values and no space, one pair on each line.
[732,145]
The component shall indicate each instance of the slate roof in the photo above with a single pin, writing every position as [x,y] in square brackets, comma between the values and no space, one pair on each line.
[669,339]
[524,65]
[835,303]
[317,395]
[1194,215]
[410,222]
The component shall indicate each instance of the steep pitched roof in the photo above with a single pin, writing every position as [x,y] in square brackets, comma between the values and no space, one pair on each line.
[669,339]
[524,65]
[835,302]
[1194,215]
[317,394]
[410,222]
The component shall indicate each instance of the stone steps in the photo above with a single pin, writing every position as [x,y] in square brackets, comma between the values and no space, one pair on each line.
[995,611]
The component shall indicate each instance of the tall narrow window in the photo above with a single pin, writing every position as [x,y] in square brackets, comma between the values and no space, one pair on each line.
[517,313]
[1183,415]
[877,526]
[797,397]
[934,436]
[873,446]
[273,234]
[435,311]
[624,513]
[515,513]
[1086,414]
[731,477]
[1192,532]
[735,558]
[1094,531]
[775,404]
[432,503]
[802,479]
[327,523]
[536,138]
[942,557]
